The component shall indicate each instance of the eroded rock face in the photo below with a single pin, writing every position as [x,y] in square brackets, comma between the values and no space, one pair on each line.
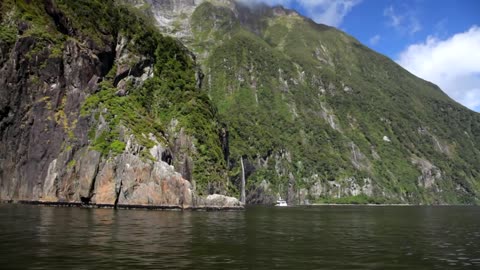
[43,95]
[171,15]
[431,174]
[129,180]
[46,151]
[261,194]
[126,180]
[42,98]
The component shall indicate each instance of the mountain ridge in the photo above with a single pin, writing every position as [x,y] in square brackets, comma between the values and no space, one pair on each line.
[312,56]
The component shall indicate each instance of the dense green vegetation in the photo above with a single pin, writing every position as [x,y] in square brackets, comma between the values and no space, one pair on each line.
[7,34]
[311,103]
[305,105]
[359,199]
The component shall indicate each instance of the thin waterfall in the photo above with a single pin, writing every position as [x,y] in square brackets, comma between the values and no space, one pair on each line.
[242,194]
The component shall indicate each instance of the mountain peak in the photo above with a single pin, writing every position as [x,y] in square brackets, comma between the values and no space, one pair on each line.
[172,16]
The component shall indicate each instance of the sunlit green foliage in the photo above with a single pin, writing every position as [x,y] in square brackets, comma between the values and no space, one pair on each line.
[294,95]
[281,82]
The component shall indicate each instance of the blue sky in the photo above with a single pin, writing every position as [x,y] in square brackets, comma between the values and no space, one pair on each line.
[438,40]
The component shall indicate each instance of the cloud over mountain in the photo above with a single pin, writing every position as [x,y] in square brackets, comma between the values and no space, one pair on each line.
[330,12]
[452,63]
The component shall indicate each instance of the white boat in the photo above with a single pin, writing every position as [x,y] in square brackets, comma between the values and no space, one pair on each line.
[281,202]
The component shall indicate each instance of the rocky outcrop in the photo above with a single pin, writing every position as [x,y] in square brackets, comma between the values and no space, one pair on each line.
[171,15]
[130,67]
[217,201]
[127,179]
[431,174]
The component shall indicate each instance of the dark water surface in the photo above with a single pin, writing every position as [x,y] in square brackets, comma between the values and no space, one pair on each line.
[321,237]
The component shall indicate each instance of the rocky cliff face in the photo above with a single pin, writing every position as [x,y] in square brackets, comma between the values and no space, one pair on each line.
[68,128]
[41,100]
[317,116]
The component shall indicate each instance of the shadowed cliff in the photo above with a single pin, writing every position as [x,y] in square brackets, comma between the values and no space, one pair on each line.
[97,107]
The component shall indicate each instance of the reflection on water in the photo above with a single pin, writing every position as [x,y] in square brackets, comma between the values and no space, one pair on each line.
[259,238]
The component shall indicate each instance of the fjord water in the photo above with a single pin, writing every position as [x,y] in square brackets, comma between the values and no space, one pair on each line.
[320,237]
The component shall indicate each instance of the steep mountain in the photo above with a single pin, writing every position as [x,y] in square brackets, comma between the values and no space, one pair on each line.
[99,105]
[317,116]
[96,106]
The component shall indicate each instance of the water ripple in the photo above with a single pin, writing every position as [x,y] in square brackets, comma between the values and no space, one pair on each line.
[258,238]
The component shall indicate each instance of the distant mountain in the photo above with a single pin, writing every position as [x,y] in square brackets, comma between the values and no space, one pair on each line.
[317,116]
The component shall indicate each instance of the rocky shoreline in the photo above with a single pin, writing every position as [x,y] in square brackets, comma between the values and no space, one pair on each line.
[126,206]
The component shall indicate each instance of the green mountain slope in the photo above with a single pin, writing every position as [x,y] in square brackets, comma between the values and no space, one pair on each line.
[318,116]
[97,106]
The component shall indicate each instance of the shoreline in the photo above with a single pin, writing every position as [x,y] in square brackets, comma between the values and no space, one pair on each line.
[123,206]
[383,204]
[364,204]
[198,208]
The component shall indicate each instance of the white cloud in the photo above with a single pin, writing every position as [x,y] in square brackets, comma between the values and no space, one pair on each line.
[395,20]
[452,63]
[330,12]
[414,26]
[406,22]
[440,28]
[374,40]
